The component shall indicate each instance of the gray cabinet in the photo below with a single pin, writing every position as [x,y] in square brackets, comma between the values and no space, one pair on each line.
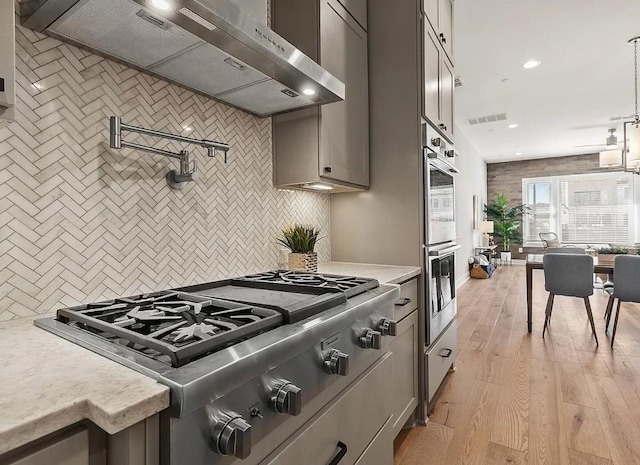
[7,63]
[439,15]
[406,354]
[330,144]
[70,448]
[357,9]
[439,85]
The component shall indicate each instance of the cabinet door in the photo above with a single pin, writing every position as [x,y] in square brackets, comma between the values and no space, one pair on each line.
[344,138]
[357,9]
[72,448]
[445,26]
[432,61]
[447,86]
[405,351]
[430,8]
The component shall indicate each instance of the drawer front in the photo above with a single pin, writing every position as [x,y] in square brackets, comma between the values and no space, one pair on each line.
[354,419]
[406,352]
[72,448]
[380,451]
[440,358]
[408,301]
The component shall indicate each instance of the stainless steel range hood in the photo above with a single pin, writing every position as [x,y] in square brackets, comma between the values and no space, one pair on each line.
[210,46]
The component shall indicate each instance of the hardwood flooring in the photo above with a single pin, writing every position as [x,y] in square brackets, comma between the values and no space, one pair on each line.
[516,398]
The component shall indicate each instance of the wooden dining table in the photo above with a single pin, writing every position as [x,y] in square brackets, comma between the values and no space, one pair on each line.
[602,264]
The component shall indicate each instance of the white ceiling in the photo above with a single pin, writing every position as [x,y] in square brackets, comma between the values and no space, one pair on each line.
[586,75]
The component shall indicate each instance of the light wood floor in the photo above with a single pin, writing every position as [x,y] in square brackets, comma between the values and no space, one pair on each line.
[519,399]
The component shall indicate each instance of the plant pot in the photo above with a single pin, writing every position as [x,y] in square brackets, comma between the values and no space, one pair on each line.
[303,262]
[505,256]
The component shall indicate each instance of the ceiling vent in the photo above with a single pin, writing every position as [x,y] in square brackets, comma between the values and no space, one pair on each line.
[487,119]
[458,81]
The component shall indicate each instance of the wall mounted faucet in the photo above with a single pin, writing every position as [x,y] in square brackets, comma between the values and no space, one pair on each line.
[188,170]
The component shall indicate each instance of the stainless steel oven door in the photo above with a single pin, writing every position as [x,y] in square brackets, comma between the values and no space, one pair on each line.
[441,291]
[439,200]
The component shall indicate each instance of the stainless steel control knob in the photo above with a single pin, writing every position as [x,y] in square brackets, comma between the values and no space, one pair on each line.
[286,398]
[336,363]
[371,339]
[388,327]
[232,436]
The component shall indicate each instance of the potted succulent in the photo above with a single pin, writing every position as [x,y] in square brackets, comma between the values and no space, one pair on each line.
[301,241]
[506,223]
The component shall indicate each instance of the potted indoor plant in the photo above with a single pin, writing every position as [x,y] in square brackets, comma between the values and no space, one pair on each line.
[506,223]
[301,241]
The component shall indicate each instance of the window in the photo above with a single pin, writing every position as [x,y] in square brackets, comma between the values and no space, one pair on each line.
[580,209]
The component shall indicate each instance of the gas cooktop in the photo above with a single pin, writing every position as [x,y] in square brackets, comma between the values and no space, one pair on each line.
[178,326]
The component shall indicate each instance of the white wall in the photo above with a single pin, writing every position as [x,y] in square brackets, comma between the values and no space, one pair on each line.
[472,180]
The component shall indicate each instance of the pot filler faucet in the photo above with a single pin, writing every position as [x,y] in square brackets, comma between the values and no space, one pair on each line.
[188,169]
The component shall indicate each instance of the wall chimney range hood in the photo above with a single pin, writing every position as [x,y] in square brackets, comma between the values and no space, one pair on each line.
[210,46]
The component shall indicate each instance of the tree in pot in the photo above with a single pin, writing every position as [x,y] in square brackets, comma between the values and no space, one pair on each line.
[506,222]
[301,241]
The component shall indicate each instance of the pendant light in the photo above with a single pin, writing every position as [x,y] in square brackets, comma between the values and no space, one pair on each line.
[612,157]
[631,149]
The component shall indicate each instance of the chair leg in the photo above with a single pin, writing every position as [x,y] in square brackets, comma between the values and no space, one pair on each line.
[587,305]
[547,313]
[615,323]
[607,312]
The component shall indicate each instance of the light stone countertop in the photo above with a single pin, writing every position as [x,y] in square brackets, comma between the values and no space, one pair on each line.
[48,383]
[383,273]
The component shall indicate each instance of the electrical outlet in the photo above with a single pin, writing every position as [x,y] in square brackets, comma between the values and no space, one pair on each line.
[519,249]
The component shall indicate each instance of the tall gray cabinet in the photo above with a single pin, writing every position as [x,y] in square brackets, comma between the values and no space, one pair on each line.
[330,144]
[410,82]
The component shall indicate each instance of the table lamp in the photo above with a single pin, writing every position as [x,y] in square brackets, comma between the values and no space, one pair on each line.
[486,227]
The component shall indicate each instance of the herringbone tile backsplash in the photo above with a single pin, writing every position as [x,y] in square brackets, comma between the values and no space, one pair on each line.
[80,222]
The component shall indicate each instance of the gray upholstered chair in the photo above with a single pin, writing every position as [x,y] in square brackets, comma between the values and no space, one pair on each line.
[568,274]
[626,287]
[571,250]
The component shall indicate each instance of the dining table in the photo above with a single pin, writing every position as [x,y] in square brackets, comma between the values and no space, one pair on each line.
[602,264]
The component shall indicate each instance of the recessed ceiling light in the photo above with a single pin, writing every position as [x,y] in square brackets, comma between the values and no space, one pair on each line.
[513,126]
[518,153]
[308,91]
[162,5]
[531,64]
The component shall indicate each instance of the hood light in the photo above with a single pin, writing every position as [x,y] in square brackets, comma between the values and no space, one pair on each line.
[318,187]
[162,5]
[308,91]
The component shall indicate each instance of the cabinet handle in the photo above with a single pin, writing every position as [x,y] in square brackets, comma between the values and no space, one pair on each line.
[402,302]
[443,39]
[442,126]
[327,169]
[341,453]
[449,153]
[446,353]
[436,142]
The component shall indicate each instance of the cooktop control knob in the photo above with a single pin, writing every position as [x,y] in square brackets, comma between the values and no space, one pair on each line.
[371,339]
[232,436]
[286,398]
[336,363]
[388,327]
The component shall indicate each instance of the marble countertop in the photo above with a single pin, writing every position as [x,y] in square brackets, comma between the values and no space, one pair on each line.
[383,273]
[48,383]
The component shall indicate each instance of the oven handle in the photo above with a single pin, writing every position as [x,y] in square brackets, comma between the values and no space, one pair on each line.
[443,252]
[341,453]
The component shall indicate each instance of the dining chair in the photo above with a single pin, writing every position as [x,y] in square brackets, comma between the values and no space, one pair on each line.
[626,287]
[568,274]
[570,250]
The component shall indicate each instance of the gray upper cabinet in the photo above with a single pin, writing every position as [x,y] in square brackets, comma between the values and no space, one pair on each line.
[439,14]
[357,9]
[439,84]
[330,144]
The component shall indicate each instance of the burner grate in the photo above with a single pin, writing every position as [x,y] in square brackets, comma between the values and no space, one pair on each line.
[349,284]
[177,325]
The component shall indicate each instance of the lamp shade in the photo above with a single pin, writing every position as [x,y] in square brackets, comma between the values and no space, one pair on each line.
[486,226]
[633,146]
[610,158]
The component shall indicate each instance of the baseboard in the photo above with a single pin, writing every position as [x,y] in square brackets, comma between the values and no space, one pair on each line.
[463,279]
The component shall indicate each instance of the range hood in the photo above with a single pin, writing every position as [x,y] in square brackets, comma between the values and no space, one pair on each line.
[210,46]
